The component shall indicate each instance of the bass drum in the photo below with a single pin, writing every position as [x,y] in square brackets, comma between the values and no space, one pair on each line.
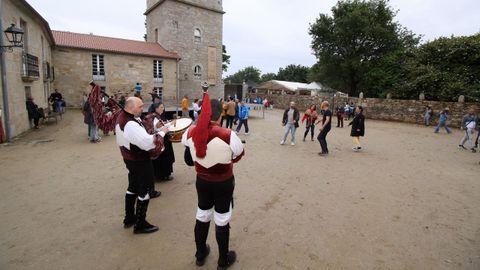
[176,131]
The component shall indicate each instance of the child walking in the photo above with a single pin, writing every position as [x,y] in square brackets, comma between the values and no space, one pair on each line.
[358,128]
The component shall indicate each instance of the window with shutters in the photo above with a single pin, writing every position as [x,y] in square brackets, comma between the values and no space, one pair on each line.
[98,67]
[157,71]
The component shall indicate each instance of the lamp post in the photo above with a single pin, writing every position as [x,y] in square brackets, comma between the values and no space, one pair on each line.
[14,36]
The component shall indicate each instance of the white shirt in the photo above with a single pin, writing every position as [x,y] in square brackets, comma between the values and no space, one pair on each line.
[135,134]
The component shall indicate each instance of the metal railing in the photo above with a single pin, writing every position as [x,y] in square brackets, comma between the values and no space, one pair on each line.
[30,68]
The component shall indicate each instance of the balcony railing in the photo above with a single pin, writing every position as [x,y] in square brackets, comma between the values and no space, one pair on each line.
[158,80]
[30,68]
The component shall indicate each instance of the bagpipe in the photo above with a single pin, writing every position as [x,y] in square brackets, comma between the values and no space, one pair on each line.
[104,121]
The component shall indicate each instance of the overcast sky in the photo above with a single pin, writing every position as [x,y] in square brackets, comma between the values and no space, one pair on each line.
[267,34]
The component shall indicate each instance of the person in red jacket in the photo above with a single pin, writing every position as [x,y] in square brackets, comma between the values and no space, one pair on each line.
[311,116]
[213,150]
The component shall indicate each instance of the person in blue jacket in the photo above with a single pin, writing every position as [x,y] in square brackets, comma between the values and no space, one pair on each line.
[243,117]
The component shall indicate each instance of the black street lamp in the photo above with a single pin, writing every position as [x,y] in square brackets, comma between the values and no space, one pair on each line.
[14,35]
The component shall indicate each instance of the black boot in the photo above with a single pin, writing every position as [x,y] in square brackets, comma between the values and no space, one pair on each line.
[130,218]
[142,225]
[154,194]
[201,234]
[226,257]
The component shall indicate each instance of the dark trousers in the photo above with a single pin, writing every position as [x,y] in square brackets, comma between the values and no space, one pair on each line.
[35,121]
[322,138]
[309,128]
[140,176]
[221,121]
[476,140]
[217,195]
[340,120]
[229,121]
[243,122]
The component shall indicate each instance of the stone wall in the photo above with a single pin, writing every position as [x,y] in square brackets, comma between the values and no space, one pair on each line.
[38,44]
[73,72]
[409,111]
[175,22]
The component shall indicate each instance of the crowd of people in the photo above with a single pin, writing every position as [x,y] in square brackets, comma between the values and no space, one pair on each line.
[323,120]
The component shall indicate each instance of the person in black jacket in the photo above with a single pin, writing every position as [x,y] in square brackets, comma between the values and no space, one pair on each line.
[325,127]
[290,122]
[33,112]
[358,128]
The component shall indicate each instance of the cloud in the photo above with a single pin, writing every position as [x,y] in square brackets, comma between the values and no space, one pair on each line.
[267,34]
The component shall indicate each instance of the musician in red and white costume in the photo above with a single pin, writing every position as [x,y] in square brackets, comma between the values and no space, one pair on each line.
[213,150]
[137,148]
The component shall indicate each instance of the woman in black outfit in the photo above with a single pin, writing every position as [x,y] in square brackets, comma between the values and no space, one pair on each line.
[163,165]
[358,128]
[325,127]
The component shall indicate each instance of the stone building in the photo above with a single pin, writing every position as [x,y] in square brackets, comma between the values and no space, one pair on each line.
[114,64]
[193,29]
[29,69]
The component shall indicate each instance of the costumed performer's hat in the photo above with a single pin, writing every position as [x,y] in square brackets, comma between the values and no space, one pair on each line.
[200,133]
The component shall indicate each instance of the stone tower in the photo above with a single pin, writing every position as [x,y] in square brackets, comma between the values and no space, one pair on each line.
[193,29]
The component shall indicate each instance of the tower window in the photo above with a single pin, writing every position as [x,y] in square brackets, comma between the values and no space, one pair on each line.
[197,72]
[197,35]
[157,71]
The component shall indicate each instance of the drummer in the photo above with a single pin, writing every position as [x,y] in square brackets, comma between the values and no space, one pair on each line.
[163,165]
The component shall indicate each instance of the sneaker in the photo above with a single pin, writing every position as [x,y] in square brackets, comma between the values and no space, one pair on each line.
[247,133]
[282,142]
[355,149]
[292,144]
[473,150]
[322,154]
[303,139]
[460,146]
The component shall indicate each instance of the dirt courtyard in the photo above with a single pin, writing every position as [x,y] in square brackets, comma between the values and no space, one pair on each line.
[410,200]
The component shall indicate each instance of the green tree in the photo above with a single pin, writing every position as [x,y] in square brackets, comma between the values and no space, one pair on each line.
[225,58]
[268,77]
[442,69]
[348,43]
[249,73]
[293,73]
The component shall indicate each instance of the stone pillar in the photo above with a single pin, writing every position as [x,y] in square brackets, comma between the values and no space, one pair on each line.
[389,96]
[461,99]
[422,96]
[361,95]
